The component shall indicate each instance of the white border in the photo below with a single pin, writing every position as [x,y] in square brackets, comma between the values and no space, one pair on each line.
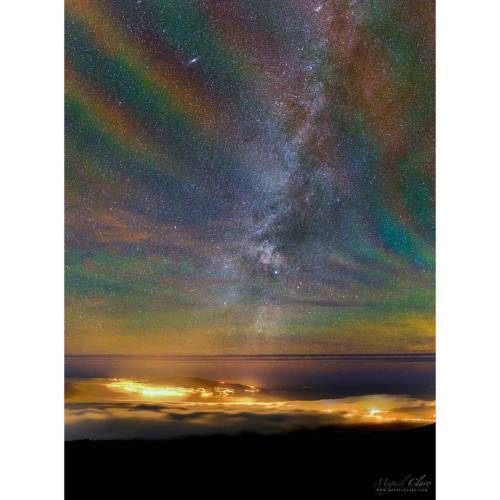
[31,204]
[468,249]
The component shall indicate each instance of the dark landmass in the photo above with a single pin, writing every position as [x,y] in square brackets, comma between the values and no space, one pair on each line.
[336,462]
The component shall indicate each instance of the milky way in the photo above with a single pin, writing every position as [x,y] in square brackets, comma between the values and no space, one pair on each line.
[249,176]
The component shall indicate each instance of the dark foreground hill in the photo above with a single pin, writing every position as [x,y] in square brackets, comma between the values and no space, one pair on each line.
[331,463]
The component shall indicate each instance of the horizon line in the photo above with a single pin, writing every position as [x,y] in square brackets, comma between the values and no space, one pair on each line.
[253,355]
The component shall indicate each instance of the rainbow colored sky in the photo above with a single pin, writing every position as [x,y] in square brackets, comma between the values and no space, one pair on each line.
[249,176]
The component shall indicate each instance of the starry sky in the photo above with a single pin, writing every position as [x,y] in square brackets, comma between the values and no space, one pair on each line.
[249,176]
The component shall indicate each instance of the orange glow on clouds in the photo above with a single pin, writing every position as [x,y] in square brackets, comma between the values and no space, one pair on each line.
[230,399]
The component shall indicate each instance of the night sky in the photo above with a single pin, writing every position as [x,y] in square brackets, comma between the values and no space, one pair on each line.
[249,176]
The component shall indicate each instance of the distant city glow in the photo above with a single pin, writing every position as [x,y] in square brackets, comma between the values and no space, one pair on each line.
[211,397]
[159,391]
[121,408]
[146,390]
